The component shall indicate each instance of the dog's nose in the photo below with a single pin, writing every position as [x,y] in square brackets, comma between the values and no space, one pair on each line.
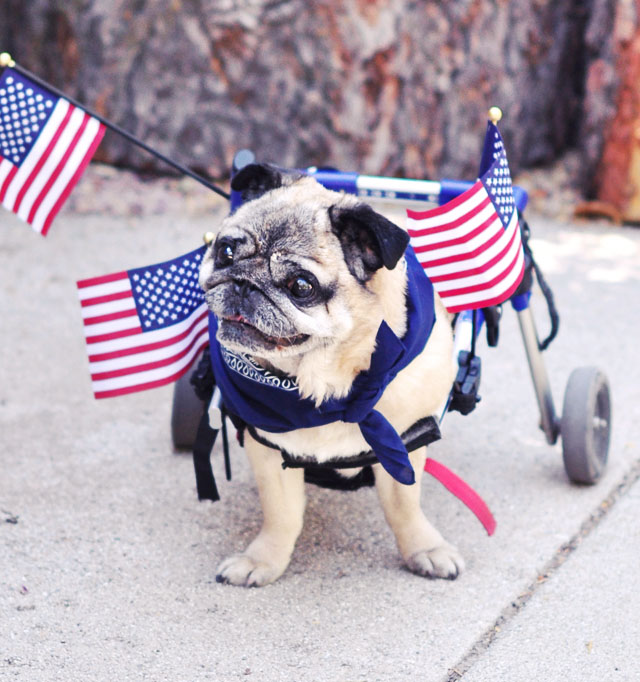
[242,288]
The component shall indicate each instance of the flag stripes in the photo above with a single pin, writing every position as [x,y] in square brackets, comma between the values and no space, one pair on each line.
[480,268]
[126,354]
[471,247]
[40,171]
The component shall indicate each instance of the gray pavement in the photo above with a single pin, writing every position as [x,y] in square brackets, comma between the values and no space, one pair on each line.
[107,559]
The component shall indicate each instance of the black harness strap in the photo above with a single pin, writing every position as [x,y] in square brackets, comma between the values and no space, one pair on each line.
[205,439]
[326,474]
[203,383]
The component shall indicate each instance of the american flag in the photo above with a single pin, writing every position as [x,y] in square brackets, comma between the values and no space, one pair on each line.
[45,145]
[471,247]
[143,327]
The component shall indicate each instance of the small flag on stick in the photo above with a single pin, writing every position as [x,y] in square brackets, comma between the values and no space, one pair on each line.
[471,246]
[45,144]
[144,327]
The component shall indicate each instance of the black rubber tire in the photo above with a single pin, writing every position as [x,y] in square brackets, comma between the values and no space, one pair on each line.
[586,425]
[186,411]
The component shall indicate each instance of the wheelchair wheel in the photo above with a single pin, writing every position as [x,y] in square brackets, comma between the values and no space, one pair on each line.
[186,411]
[586,425]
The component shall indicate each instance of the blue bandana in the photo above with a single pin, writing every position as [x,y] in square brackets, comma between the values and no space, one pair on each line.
[273,403]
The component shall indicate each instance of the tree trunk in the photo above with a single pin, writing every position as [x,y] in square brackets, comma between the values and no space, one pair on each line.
[617,181]
[393,87]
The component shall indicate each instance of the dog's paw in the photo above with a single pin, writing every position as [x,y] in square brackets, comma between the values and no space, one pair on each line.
[242,569]
[443,561]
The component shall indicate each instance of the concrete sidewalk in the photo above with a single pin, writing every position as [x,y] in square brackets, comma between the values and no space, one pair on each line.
[107,559]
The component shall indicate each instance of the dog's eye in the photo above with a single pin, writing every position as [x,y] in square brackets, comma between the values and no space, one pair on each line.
[224,255]
[301,287]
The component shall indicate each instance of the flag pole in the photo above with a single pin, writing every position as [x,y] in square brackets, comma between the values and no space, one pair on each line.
[6,60]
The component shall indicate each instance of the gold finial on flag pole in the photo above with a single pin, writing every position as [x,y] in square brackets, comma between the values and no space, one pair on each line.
[495,114]
[208,238]
[5,60]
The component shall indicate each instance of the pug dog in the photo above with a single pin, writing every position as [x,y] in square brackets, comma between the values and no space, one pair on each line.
[300,279]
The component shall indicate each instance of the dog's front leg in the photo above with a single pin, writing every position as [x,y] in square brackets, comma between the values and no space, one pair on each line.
[283,500]
[421,545]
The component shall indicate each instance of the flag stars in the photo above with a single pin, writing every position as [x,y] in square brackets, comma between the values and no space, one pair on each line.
[497,181]
[20,120]
[168,293]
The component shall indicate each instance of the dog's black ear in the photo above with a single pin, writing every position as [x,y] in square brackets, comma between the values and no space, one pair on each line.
[369,241]
[256,179]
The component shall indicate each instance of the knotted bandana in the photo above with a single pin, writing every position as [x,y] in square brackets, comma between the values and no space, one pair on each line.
[273,404]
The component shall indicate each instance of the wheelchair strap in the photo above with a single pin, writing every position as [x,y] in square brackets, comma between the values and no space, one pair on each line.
[203,383]
[463,491]
[544,287]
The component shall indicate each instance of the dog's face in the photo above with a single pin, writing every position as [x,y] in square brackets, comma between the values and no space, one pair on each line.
[290,271]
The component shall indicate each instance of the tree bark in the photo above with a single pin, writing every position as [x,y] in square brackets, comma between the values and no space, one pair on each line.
[397,87]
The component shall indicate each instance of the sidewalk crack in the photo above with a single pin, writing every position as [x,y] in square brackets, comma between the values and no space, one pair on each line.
[508,613]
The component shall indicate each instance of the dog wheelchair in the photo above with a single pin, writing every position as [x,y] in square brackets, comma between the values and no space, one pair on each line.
[585,423]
